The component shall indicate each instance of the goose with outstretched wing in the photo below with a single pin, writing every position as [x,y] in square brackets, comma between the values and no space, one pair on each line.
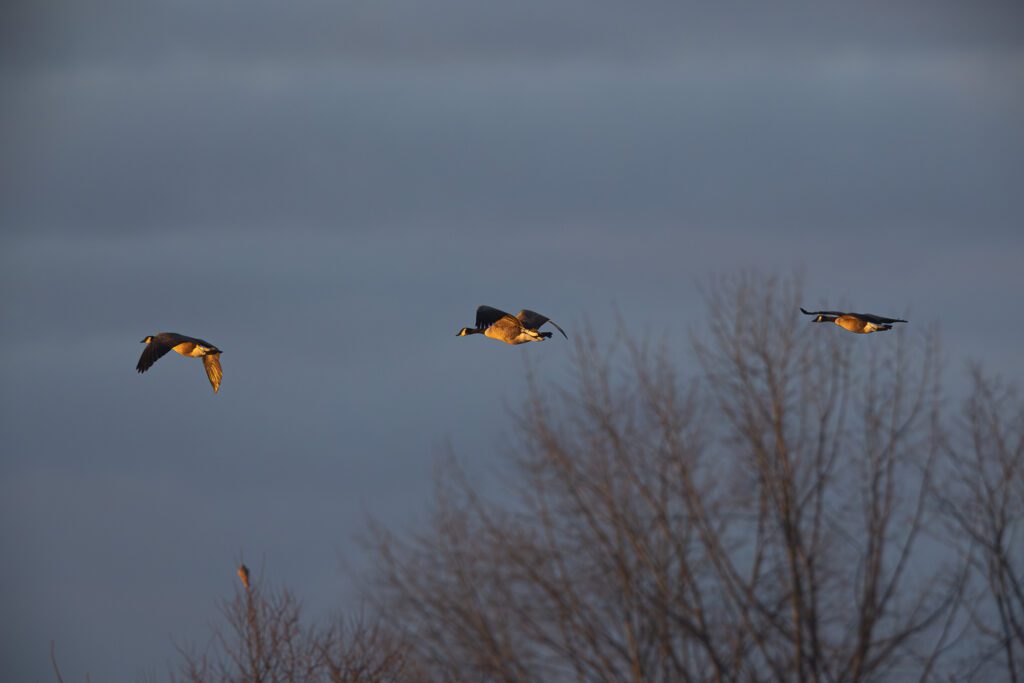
[518,329]
[157,346]
[860,323]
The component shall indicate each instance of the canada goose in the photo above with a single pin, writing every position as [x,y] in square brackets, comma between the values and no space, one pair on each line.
[861,323]
[243,574]
[159,344]
[499,325]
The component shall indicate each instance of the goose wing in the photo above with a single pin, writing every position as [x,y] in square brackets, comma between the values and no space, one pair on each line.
[878,319]
[172,339]
[533,320]
[487,316]
[154,351]
[211,362]
[805,312]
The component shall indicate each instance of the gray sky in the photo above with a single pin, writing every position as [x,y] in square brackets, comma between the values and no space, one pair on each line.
[327,190]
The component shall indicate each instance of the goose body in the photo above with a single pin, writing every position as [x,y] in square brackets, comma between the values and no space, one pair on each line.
[518,329]
[859,323]
[157,345]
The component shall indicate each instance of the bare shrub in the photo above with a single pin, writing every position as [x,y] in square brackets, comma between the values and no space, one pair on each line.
[264,638]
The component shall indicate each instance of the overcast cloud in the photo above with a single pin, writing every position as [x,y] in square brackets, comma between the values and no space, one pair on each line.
[327,190]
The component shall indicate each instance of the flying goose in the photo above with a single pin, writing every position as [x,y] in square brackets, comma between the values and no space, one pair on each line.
[159,344]
[861,323]
[520,329]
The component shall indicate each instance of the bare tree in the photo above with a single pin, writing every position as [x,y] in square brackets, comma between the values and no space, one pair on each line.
[764,520]
[983,501]
[265,639]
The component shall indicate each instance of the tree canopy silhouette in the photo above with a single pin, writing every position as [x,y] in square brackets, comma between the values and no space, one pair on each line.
[803,508]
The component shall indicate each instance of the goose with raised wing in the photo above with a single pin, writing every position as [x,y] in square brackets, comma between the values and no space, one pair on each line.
[518,329]
[157,345]
[860,323]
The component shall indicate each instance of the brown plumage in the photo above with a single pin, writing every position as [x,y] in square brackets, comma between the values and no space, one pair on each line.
[158,345]
[860,323]
[243,574]
[519,329]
